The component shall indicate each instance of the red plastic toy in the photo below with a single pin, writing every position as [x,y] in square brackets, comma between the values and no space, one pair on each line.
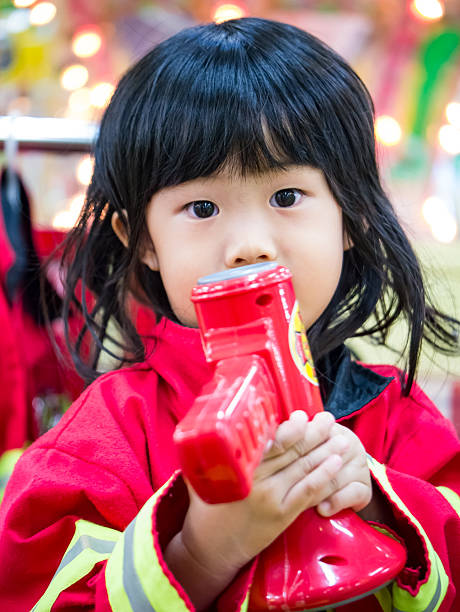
[251,329]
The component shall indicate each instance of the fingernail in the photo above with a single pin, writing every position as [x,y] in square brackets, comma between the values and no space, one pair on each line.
[324,507]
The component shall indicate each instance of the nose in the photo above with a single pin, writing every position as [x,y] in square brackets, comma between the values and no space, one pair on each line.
[250,245]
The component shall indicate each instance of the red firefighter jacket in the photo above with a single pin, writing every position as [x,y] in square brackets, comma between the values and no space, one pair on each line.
[92,504]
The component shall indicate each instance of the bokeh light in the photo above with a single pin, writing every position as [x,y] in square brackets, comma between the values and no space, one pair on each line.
[387,130]
[42,13]
[449,139]
[86,43]
[224,12]
[453,114]
[80,100]
[65,219]
[74,77]
[85,170]
[101,94]
[442,222]
[431,10]
[23,3]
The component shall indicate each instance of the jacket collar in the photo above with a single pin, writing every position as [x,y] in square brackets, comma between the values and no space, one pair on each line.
[351,385]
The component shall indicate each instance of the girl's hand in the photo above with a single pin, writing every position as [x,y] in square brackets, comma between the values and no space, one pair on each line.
[300,469]
[353,486]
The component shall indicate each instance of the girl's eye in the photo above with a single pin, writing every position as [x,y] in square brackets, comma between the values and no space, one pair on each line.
[285,198]
[202,209]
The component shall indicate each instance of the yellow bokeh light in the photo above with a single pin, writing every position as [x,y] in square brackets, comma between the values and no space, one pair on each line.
[453,114]
[42,13]
[387,130]
[74,77]
[101,94]
[23,3]
[86,44]
[428,9]
[63,220]
[67,218]
[449,139]
[76,203]
[224,12]
[80,100]
[85,170]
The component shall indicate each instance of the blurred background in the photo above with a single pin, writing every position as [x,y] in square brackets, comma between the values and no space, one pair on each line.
[62,60]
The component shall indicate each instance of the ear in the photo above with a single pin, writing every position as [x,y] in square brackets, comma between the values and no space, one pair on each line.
[148,255]
[347,242]
[120,228]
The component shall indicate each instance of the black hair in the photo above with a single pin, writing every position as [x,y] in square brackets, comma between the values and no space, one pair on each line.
[249,95]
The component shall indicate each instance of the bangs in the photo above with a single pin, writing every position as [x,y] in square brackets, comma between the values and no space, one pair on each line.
[218,114]
[246,95]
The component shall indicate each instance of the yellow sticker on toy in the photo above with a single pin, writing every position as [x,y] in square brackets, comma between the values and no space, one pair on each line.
[299,347]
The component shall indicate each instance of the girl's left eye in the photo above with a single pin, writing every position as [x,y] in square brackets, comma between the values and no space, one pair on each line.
[284,198]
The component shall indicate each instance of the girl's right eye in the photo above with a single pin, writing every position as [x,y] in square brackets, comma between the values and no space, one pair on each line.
[202,209]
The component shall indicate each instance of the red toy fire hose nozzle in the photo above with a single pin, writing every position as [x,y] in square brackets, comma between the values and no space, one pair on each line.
[251,329]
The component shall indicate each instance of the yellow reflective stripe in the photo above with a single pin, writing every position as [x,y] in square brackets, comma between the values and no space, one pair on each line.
[7,463]
[245,604]
[383,596]
[135,579]
[433,591]
[90,544]
[382,529]
[452,497]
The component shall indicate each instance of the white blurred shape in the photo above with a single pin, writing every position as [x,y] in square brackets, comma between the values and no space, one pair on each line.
[449,139]
[42,13]
[429,9]
[442,222]
[85,170]
[453,114]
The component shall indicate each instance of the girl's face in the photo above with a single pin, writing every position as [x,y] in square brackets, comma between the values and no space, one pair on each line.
[220,222]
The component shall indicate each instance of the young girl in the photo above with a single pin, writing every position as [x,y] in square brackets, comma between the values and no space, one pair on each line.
[248,141]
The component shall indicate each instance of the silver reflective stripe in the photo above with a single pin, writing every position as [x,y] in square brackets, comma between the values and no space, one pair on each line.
[133,587]
[85,541]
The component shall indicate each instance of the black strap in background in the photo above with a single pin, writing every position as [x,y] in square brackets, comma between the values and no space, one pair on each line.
[23,277]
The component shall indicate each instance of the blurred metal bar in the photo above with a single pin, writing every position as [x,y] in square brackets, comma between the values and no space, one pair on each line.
[48,134]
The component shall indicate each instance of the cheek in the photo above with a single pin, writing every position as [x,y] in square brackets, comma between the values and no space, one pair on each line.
[318,281]
[178,287]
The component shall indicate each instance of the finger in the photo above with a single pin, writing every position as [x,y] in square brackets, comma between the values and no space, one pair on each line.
[355,495]
[287,434]
[312,435]
[291,467]
[352,471]
[291,432]
[315,487]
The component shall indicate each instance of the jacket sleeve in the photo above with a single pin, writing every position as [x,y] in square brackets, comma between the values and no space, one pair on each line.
[67,548]
[419,474]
